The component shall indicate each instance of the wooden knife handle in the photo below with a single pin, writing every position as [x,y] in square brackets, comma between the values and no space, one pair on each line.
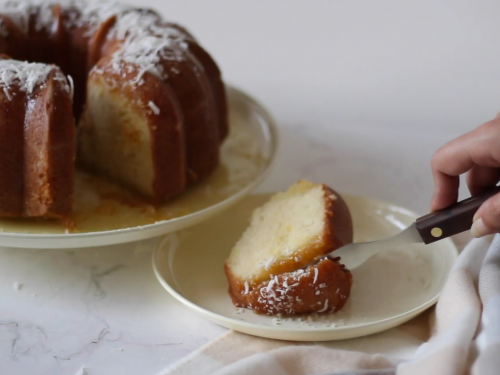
[452,220]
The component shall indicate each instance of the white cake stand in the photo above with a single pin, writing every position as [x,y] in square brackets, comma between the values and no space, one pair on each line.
[246,158]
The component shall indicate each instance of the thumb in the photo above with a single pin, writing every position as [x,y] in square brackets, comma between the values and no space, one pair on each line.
[487,218]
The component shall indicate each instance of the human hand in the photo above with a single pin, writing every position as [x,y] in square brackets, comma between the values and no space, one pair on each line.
[476,153]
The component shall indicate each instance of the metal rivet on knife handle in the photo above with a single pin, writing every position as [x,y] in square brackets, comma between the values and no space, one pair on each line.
[436,232]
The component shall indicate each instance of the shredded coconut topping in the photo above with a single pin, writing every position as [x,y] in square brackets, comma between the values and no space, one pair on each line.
[325,307]
[19,12]
[71,87]
[7,93]
[268,263]
[26,76]
[44,16]
[278,296]
[315,275]
[146,42]
[146,39]
[154,108]
[80,13]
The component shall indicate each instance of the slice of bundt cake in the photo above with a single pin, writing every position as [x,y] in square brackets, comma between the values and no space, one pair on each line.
[37,134]
[149,79]
[265,267]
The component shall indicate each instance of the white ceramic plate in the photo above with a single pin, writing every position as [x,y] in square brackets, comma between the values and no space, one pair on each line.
[388,290]
[104,214]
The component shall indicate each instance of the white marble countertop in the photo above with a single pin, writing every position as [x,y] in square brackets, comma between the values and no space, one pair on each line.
[364,92]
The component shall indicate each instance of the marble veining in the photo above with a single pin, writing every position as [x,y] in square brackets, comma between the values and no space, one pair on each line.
[91,311]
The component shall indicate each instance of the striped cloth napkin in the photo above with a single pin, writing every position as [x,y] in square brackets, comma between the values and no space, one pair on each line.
[464,337]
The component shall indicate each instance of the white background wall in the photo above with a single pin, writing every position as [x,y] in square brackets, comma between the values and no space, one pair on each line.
[424,62]
[379,84]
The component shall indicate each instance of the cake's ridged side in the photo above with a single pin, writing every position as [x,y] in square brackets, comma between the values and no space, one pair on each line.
[61,149]
[169,139]
[215,78]
[99,44]
[192,90]
[340,228]
[218,88]
[76,46]
[49,151]
[41,47]
[164,130]
[59,39]
[12,114]
[13,42]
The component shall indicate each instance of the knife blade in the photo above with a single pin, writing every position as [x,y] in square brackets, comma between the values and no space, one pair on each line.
[355,254]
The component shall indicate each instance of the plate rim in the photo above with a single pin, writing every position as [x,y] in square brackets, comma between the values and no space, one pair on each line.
[273,135]
[386,322]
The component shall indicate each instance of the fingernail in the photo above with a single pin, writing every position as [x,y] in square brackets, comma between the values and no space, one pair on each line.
[475,217]
[479,229]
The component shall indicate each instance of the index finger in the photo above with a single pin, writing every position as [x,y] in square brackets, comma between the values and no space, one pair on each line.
[458,156]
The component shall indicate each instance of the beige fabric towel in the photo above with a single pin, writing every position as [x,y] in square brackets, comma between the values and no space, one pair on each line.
[465,336]
[236,353]
[458,313]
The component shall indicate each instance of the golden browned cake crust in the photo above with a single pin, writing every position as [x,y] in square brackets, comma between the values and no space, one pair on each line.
[322,288]
[213,75]
[49,151]
[37,134]
[283,287]
[12,40]
[197,104]
[11,153]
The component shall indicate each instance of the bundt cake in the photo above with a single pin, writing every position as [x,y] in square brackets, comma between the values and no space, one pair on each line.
[149,102]
[269,268]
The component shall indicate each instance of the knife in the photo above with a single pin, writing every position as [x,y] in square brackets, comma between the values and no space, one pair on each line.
[426,229]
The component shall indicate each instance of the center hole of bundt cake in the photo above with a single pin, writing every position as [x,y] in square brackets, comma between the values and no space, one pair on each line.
[72,66]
